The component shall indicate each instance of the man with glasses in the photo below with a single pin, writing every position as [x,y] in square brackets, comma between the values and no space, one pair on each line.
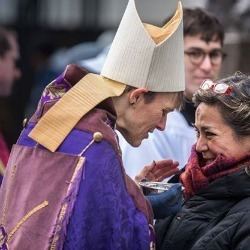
[197,56]
[203,42]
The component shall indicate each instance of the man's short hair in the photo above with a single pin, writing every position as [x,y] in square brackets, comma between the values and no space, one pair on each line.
[4,41]
[198,21]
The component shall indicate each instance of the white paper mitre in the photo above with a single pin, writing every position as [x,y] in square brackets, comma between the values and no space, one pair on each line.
[138,60]
[141,55]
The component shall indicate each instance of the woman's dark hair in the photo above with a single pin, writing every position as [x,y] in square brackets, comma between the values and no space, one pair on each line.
[235,106]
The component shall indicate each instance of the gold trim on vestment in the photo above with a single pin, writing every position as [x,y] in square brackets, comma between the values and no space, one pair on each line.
[64,207]
[25,217]
[2,168]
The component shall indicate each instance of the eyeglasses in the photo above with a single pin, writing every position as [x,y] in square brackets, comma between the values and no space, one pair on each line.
[197,56]
[219,88]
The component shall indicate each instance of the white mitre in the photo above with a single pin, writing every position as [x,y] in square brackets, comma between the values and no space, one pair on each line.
[144,55]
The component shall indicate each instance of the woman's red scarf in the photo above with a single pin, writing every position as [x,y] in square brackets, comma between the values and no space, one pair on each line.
[196,176]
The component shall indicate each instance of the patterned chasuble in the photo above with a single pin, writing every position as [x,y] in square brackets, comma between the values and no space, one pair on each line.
[78,197]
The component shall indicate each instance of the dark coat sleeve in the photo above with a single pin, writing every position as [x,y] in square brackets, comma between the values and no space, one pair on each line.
[241,239]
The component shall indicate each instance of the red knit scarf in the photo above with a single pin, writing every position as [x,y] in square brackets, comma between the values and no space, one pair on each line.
[196,176]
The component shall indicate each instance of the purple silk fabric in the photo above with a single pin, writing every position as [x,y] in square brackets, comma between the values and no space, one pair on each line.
[54,91]
[104,215]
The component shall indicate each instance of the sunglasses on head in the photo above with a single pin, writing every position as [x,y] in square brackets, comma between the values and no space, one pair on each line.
[218,88]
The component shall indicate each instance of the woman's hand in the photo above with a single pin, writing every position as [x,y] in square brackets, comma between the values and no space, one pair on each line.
[158,170]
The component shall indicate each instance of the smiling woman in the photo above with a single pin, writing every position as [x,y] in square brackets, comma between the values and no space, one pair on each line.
[221,123]
[216,213]
[234,105]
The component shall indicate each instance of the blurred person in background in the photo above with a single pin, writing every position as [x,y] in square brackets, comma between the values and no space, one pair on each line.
[9,73]
[203,44]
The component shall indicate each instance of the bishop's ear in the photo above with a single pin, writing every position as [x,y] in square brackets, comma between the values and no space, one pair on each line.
[136,95]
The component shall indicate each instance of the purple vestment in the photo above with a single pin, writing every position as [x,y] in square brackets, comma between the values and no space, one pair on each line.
[72,199]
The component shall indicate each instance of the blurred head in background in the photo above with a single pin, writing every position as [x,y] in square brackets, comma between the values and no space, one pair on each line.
[9,56]
[203,42]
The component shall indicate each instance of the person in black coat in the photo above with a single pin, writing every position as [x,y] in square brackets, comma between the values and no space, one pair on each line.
[216,180]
